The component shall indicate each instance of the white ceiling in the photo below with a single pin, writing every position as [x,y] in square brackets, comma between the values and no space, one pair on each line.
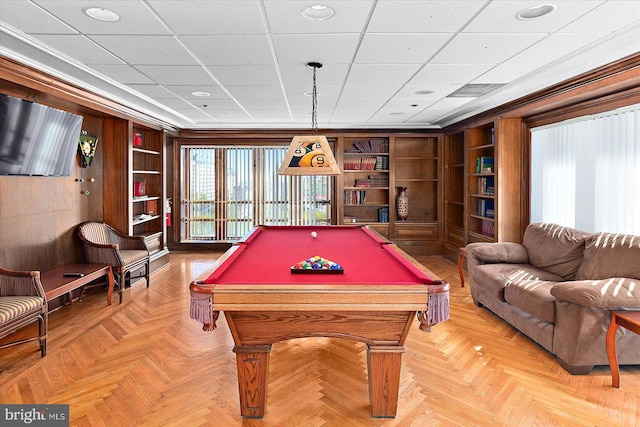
[251,55]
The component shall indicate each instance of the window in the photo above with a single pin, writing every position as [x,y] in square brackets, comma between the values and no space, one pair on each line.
[585,173]
[227,190]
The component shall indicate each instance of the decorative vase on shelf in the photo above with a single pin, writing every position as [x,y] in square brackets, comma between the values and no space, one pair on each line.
[402,204]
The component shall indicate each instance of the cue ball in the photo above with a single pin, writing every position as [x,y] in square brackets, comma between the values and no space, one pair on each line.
[314,234]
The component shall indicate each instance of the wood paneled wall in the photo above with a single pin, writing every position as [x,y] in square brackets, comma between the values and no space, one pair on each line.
[38,215]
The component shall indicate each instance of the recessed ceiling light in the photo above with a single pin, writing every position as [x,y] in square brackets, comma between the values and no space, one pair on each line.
[226,114]
[396,113]
[102,14]
[196,93]
[424,92]
[534,12]
[318,12]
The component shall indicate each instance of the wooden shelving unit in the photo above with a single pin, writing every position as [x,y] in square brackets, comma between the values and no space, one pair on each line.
[134,192]
[416,166]
[493,210]
[364,191]
[454,200]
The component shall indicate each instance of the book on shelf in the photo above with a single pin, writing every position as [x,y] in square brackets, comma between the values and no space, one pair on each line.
[487,228]
[355,197]
[369,146]
[484,164]
[348,219]
[485,208]
[383,214]
[359,163]
[486,186]
[378,180]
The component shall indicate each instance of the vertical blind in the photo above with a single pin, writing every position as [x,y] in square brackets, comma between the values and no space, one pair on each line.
[226,190]
[585,173]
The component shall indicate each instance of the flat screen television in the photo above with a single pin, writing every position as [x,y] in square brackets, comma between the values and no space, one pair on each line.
[36,139]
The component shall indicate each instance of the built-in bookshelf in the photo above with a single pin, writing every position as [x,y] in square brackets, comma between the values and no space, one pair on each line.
[493,157]
[415,161]
[134,193]
[365,181]
[454,209]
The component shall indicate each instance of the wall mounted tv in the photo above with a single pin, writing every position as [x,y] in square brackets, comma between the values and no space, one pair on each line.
[36,139]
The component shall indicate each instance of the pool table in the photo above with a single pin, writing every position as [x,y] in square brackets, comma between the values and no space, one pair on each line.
[374,300]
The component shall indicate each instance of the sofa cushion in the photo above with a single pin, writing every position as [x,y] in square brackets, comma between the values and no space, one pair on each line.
[494,277]
[612,293]
[555,248]
[610,255]
[533,297]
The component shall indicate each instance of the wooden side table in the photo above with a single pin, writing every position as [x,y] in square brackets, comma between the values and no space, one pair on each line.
[461,255]
[629,320]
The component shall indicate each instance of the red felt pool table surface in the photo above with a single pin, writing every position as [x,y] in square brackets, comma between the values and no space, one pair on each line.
[268,253]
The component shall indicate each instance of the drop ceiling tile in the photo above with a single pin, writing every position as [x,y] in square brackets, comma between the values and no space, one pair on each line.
[265,114]
[246,75]
[500,17]
[152,91]
[422,16]
[177,74]
[186,91]
[506,73]
[367,92]
[399,48]
[30,18]
[483,48]
[449,73]
[285,17]
[79,47]
[135,17]
[362,74]
[255,92]
[300,49]
[174,103]
[264,104]
[229,49]
[610,16]
[122,73]
[554,47]
[211,17]
[147,50]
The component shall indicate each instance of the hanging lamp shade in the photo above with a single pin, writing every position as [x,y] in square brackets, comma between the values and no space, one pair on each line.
[310,154]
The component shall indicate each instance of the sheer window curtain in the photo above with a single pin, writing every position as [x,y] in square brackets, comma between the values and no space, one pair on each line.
[585,173]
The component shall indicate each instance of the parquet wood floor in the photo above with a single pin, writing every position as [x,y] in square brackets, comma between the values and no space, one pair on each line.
[146,363]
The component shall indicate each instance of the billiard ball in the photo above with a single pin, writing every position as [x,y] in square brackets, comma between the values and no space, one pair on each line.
[314,234]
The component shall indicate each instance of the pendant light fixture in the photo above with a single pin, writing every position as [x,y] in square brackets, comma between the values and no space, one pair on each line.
[310,154]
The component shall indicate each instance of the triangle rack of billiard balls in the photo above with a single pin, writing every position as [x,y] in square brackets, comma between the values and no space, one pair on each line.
[317,264]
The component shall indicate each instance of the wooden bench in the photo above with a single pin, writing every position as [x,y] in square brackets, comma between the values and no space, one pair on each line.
[55,283]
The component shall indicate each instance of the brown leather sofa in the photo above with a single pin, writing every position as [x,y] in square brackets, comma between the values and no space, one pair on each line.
[558,286]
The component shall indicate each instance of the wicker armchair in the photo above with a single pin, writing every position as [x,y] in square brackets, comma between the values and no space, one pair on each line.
[22,302]
[102,244]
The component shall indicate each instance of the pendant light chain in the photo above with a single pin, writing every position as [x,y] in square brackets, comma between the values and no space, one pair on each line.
[314,104]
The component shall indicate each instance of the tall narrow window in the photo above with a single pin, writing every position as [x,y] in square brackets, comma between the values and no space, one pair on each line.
[227,190]
[585,173]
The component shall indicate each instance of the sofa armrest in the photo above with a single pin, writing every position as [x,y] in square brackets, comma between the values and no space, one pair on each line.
[617,292]
[498,252]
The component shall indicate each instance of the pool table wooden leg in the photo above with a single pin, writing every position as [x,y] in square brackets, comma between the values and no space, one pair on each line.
[253,367]
[383,363]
